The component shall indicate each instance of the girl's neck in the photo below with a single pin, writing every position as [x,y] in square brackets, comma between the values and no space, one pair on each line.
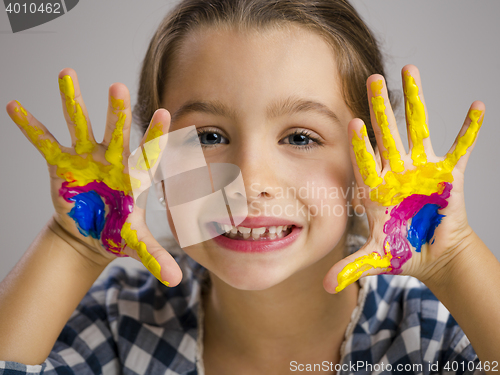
[296,319]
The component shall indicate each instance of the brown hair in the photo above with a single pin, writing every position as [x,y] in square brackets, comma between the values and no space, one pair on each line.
[356,50]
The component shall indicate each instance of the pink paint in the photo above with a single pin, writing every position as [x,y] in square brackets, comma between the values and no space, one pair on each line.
[396,226]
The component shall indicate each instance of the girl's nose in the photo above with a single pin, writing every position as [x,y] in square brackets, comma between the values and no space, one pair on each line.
[259,172]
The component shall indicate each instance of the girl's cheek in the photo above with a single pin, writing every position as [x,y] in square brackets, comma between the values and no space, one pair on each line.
[171,224]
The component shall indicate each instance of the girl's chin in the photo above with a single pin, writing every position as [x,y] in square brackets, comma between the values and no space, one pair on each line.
[252,280]
[250,274]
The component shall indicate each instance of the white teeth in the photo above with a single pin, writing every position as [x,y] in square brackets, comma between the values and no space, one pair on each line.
[256,232]
[259,230]
[271,232]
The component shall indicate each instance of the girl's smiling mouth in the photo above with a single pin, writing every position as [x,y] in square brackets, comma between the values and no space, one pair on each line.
[259,234]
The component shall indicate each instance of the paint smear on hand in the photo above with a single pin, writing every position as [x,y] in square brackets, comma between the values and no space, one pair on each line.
[415,114]
[151,148]
[130,236]
[366,162]
[354,270]
[83,143]
[398,237]
[391,153]
[90,184]
[416,194]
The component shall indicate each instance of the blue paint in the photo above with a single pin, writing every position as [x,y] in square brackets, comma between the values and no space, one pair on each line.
[88,213]
[423,225]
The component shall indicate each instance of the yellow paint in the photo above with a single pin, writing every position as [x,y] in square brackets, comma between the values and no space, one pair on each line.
[151,148]
[21,119]
[366,162]
[130,237]
[114,153]
[117,103]
[415,113]
[354,270]
[83,143]
[465,141]
[78,170]
[426,177]
[391,153]
[114,247]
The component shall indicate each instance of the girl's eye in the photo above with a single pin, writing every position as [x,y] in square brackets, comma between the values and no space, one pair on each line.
[210,138]
[301,139]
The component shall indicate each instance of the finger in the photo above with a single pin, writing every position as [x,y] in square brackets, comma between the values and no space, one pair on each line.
[143,162]
[460,151]
[143,247]
[75,112]
[365,165]
[119,118]
[159,125]
[35,131]
[118,123]
[384,125]
[362,263]
[416,116]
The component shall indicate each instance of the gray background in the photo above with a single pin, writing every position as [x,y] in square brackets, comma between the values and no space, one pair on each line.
[454,44]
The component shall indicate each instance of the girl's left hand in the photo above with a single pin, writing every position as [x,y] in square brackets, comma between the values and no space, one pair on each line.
[414,202]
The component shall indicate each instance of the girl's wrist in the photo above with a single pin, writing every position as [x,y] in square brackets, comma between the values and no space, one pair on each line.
[456,263]
[51,278]
[90,255]
[461,285]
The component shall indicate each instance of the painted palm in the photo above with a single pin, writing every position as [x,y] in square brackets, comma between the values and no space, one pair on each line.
[411,189]
[98,191]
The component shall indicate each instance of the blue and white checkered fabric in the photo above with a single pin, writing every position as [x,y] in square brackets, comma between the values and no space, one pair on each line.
[399,322]
[132,324]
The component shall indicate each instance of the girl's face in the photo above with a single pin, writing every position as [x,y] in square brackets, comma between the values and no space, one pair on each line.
[282,120]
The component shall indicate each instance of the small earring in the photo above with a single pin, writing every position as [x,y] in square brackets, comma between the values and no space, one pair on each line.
[162,202]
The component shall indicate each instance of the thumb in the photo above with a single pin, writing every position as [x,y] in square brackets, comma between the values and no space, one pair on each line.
[366,261]
[142,246]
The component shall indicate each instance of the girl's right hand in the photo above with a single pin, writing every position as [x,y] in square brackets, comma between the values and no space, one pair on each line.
[90,185]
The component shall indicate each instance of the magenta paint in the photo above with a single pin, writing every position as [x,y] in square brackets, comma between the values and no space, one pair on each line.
[396,227]
[119,207]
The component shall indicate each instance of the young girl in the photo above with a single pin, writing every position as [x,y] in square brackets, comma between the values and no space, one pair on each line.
[291,92]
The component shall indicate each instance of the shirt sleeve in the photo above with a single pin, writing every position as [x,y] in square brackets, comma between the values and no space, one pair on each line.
[85,345]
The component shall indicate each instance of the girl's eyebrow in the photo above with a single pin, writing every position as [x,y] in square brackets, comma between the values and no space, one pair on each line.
[290,105]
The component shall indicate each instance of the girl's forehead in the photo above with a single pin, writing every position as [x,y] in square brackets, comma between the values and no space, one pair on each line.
[253,67]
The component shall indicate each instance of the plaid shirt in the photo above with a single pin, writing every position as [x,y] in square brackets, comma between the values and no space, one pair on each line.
[132,324]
